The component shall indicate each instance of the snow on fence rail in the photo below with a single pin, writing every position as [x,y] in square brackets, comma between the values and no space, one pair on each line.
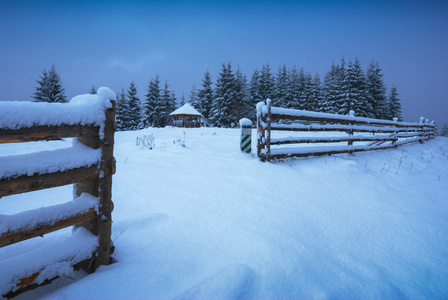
[380,134]
[89,164]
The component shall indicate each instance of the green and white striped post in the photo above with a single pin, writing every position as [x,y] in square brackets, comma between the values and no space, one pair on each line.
[246,135]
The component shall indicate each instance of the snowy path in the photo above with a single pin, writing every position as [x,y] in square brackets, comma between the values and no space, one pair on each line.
[207,221]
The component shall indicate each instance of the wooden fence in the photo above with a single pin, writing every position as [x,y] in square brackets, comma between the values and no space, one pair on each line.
[362,134]
[89,165]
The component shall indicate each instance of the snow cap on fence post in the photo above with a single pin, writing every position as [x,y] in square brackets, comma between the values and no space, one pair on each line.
[422,119]
[246,135]
[395,119]
[351,113]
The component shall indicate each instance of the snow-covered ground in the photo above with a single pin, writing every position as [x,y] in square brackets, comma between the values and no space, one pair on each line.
[195,218]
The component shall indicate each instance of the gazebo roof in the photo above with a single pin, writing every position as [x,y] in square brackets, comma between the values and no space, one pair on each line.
[186,109]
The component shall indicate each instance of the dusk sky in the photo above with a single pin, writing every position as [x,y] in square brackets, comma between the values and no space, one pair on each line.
[111,43]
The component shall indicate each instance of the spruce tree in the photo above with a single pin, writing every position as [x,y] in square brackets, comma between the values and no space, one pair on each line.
[92,90]
[50,87]
[394,105]
[281,86]
[354,89]
[152,107]
[376,92]
[241,106]
[293,89]
[165,105]
[205,95]
[330,91]
[222,114]
[122,114]
[444,131]
[306,103]
[316,98]
[134,106]
[194,100]
[254,89]
[266,84]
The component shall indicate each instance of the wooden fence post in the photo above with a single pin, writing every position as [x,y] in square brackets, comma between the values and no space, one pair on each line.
[261,137]
[268,129]
[101,187]
[105,188]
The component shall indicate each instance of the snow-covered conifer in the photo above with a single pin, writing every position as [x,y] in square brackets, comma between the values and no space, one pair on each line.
[254,89]
[122,113]
[134,106]
[266,84]
[222,114]
[394,105]
[152,107]
[241,105]
[50,87]
[376,92]
[444,131]
[205,96]
[281,86]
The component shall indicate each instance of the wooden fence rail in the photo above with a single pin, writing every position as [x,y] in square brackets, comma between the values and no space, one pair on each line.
[381,134]
[89,165]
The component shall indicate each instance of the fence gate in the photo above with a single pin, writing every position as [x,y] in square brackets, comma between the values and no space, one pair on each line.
[88,164]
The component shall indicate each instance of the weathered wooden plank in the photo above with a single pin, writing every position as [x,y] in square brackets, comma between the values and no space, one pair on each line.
[343,120]
[10,238]
[330,152]
[24,184]
[299,140]
[39,133]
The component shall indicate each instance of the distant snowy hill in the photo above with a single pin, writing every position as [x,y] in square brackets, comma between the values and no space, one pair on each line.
[195,218]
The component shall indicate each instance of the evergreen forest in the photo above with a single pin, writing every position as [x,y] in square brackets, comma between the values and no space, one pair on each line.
[232,95]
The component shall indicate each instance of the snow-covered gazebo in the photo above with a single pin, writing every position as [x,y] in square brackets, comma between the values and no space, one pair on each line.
[186,116]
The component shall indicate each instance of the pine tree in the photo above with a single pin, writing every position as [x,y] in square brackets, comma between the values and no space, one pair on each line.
[50,87]
[340,94]
[194,100]
[305,100]
[182,100]
[152,107]
[222,114]
[92,90]
[294,89]
[376,92]
[281,86]
[316,98]
[354,89]
[241,106]
[122,114]
[165,105]
[134,106]
[254,89]
[205,95]
[266,84]
[330,91]
[394,105]
[172,103]
[444,131]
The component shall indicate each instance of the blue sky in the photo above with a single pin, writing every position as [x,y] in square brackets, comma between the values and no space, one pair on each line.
[111,43]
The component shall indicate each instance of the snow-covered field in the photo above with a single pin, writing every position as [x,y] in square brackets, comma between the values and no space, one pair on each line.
[195,218]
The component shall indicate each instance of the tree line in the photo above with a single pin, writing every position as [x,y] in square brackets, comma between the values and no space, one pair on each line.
[345,87]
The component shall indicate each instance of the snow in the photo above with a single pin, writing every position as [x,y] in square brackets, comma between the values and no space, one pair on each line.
[186,109]
[208,221]
[245,122]
[49,161]
[83,109]
[47,216]
[52,258]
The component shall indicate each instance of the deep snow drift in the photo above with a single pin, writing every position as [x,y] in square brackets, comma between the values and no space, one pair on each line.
[195,218]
